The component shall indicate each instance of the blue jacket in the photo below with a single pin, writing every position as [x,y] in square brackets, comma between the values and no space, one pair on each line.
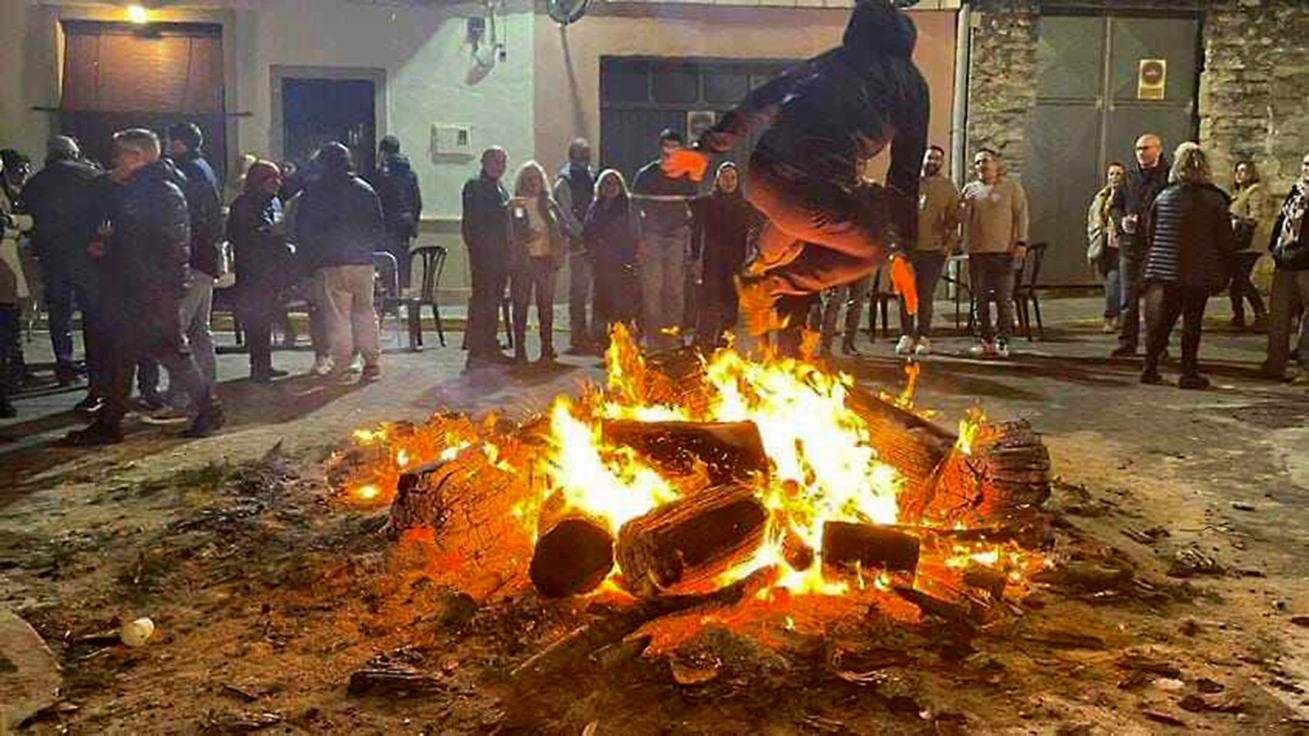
[339,222]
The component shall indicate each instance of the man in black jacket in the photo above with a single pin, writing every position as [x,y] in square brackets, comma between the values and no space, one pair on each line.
[1130,212]
[143,274]
[64,200]
[486,233]
[339,225]
[824,118]
[396,185]
[205,205]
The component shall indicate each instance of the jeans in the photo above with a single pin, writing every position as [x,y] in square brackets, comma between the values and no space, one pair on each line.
[1164,302]
[928,266]
[1243,288]
[1290,297]
[345,296]
[993,281]
[663,276]
[579,293]
[532,281]
[489,278]
[1131,271]
[149,331]
[852,296]
[818,234]
[1113,284]
[68,288]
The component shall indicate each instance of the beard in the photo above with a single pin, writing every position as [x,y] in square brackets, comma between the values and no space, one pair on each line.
[931,169]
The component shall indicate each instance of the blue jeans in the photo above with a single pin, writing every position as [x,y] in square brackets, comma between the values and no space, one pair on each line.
[1113,284]
[1131,273]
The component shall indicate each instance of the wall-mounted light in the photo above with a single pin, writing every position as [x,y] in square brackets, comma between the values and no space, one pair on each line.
[138,14]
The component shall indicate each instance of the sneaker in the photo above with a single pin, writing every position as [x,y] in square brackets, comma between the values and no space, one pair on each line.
[1301,379]
[89,405]
[848,348]
[906,346]
[151,402]
[924,346]
[322,366]
[268,375]
[167,415]
[1193,382]
[1001,349]
[1151,377]
[757,301]
[370,374]
[983,349]
[210,420]
[96,434]
[1110,325]
[1123,351]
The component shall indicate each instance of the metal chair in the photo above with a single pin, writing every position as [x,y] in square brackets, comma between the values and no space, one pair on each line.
[433,267]
[388,300]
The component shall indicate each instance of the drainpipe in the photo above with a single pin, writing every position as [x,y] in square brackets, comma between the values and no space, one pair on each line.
[959,108]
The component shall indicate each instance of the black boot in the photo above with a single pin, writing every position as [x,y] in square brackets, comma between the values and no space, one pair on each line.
[96,434]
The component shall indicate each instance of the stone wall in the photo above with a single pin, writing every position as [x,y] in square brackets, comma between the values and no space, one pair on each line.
[1254,93]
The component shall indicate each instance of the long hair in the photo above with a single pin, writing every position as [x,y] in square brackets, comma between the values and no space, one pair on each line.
[521,179]
[1254,173]
[611,174]
[1190,165]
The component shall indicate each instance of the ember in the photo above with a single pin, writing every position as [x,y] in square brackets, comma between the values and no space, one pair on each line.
[685,475]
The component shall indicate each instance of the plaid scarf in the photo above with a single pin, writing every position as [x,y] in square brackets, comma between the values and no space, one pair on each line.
[1293,214]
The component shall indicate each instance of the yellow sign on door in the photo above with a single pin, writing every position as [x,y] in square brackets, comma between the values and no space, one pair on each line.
[1152,79]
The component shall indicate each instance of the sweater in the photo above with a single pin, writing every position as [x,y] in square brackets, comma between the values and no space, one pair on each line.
[994,216]
[938,214]
[1253,203]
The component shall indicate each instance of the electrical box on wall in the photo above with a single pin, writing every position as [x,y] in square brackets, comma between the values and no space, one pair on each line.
[451,143]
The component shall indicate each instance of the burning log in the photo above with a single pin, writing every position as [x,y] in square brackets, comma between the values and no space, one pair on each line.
[573,558]
[730,450]
[798,553]
[846,543]
[691,539]
[417,497]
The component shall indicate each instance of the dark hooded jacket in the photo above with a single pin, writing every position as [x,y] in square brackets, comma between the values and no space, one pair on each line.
[611,233]
[1190,238]
[338,222]
[261,259]
[826,115]
[722,230]
[396,185]
[1136,197]
[65,199]
[149,248]
[205,205]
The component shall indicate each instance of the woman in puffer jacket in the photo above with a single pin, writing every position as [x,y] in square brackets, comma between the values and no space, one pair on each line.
[1192,252]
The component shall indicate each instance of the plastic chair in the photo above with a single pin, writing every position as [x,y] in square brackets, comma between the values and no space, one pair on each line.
[1026,290]
[433,267]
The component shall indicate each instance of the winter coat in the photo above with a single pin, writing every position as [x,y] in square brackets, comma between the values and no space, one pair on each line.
[521,233]
[13,279]
[722,230]
[1136,197]
[574,191]
[339,222]
[825,116]
[1290,241]
[612,233]
[1191,240]
[255,228]
[204,202]
[66,200]
[663,216]
[149,249]
[485,222]
[397,188]
[1102,236]
[1254,204]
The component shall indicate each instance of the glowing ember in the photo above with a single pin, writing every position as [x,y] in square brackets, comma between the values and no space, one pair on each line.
[969,428]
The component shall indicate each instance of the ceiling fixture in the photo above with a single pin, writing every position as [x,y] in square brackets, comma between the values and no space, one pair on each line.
[138,14]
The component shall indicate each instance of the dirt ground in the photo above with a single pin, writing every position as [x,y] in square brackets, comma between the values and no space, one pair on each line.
[268,592]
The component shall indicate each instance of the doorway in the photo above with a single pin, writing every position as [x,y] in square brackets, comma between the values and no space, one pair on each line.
[1102,81]
[313,107]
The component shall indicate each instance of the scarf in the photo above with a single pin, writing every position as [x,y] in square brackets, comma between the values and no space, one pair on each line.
[1293,214]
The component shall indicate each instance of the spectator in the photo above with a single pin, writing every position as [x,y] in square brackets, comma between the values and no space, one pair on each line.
[1290,296]
[13,177]
[938,237]
[143,272]
[852,296]
[204,203]
[994,212]
[402,202]
[1252,221]
[611,233]
[485,226]
[723,220]
[293,178]
[537,248]
[1103,239]
[64,200]
[13,289]
[1191,249]
[263,263]
[665,243]
[574,191]
[340,225]
[1130,211]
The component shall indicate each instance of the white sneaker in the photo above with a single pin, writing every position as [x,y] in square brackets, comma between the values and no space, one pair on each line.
[924,347]
[906,345]
[1001,349]
[983,349]
[322,366]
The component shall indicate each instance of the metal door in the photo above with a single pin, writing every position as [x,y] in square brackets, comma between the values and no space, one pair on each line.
[1090,110]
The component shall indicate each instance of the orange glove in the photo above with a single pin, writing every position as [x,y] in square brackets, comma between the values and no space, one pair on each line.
[902,281]
[686,162]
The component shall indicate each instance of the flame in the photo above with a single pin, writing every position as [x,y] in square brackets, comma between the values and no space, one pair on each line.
[969,428]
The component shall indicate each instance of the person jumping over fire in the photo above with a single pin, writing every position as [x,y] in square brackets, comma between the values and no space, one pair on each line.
[823,119]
